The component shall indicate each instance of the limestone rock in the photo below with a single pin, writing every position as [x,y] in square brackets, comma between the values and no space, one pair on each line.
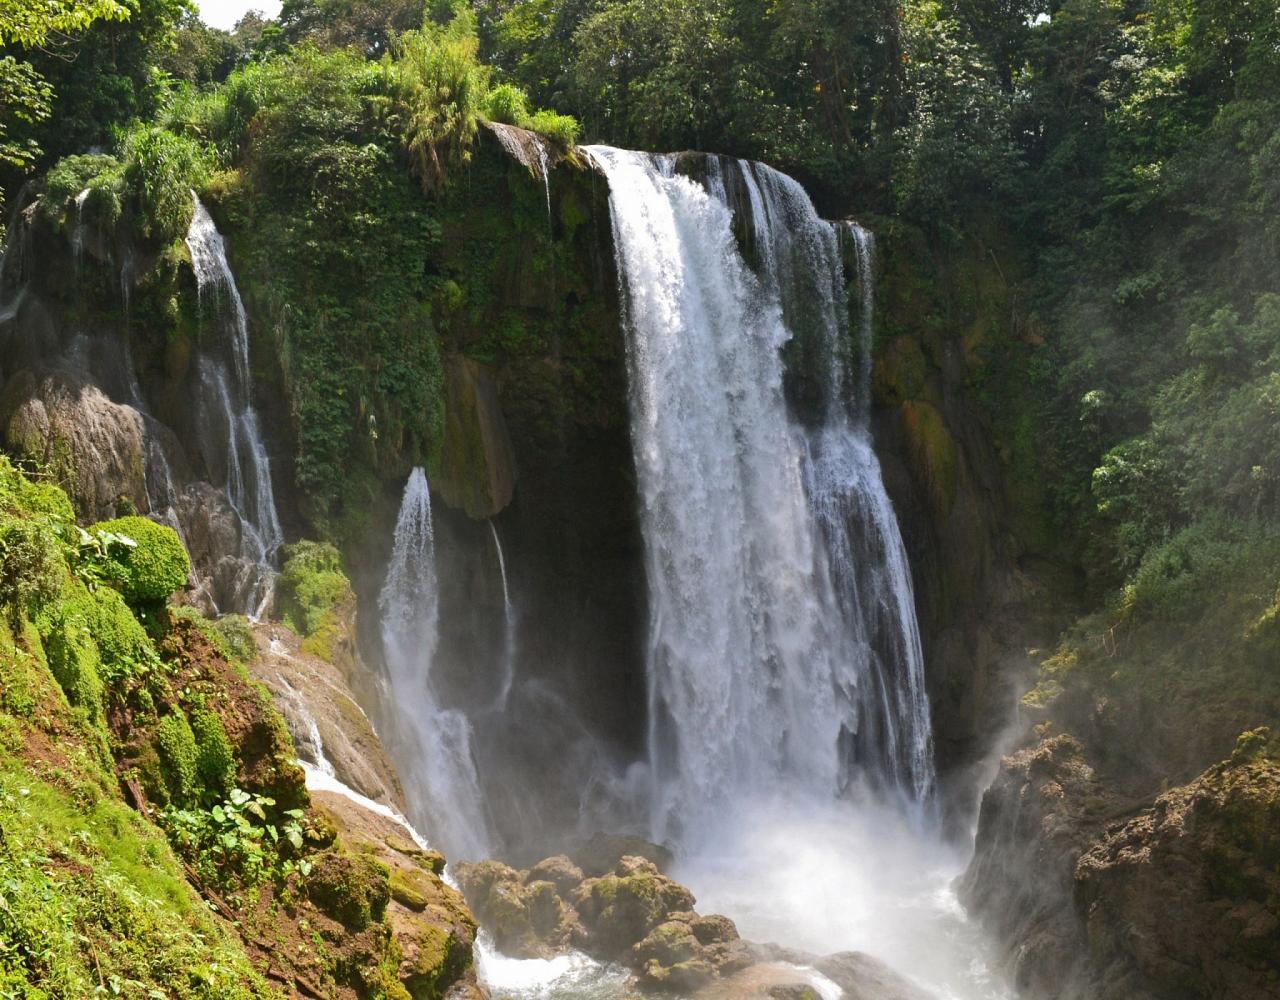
[600,855]
[97,449]
[1184,899]
[1037,817]
[433,929]
[324,718]
[634,915]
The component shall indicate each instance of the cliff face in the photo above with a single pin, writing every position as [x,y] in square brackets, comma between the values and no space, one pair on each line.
[533,437]
[537,532]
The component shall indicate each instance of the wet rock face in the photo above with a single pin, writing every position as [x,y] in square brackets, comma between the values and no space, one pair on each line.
[433,930]
[1096,898]
[633,915]
[1037,817]
[97,449]
[1184,899]
[323,716]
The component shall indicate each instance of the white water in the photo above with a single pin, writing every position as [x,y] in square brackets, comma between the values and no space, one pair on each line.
[432,742]
[324,781]
[233,439]
[508,675]
[790,755]
[783,652]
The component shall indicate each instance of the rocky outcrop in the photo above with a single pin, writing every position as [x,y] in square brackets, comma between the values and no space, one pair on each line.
[96,449]
[327,724]
[1037,817]
[1096,898]
[428,919]
[1184,898]
[633,915]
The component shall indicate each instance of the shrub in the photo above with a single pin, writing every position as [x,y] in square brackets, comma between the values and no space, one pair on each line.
[152,570]
[507,104]
[162,168]
[176,746]
[441,86]
[562,130]
[124,647]
[31,567]
[73,657]
[312,585]
[215,757]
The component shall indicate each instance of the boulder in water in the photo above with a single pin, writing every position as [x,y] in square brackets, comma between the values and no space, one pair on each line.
[600,855]
[633,914]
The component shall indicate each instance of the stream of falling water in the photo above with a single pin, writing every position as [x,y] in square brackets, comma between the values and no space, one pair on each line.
[231,436]
[508,675]
[442,787]
[790,756]
[784,654]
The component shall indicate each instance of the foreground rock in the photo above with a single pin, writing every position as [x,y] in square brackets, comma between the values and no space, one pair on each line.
[1096,899]
[429,921]
[633,915]
[325,720]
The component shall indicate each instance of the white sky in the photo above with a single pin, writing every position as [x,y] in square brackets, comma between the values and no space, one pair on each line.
[225,13]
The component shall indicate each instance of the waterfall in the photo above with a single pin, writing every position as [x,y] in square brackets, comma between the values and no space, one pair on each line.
[233,440]
[508,629]
[441,780]
[783,651]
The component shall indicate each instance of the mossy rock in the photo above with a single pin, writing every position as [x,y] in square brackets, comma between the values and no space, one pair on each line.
[353,889]
[175,746]
[933,451]
[156,567]
[408,890]
[215,756]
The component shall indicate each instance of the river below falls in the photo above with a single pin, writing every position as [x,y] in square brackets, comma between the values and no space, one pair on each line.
[819,879]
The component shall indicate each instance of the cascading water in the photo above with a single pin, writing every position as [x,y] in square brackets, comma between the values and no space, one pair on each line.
[233,440]
[442,785]
[508,675]
[783,652]
[790,757]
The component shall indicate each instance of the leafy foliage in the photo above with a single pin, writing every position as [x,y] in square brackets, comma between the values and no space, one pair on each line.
[153,567]
[241,841]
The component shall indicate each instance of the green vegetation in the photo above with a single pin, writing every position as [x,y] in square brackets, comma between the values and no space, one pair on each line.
[153,567]
[92,900]
[313,591]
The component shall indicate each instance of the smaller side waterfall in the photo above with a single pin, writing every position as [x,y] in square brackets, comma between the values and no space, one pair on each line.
[432,743]
[508,675]
[233,444]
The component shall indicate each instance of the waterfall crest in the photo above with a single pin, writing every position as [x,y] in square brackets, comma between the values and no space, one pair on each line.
[783,654]
[443,786]
[231,436]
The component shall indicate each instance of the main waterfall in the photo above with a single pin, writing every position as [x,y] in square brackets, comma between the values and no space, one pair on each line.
[784,656]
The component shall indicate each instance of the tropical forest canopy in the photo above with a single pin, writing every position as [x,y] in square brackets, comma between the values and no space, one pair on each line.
[1123,157]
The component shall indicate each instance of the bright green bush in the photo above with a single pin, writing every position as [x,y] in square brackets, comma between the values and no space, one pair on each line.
[179,758]
[312,584]
[162,168]
[560,129]
[73,656]
[157,565]
[215,757]
[31,566]
[18,494]
[125,648]
[506,103]
[440,87]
